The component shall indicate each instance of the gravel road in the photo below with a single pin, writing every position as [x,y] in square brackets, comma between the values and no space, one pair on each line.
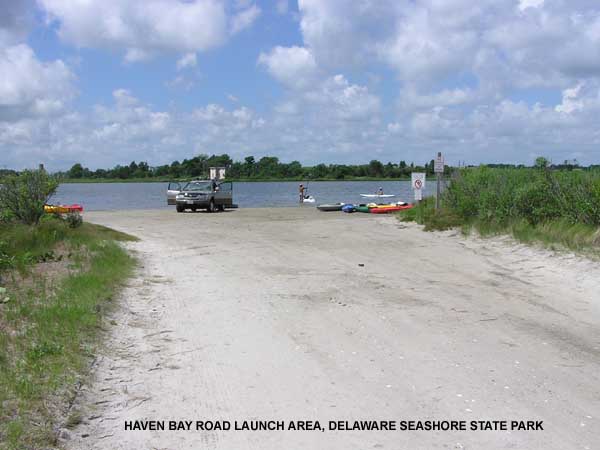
[292,314]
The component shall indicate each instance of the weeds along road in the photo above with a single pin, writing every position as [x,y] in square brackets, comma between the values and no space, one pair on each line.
[293,314]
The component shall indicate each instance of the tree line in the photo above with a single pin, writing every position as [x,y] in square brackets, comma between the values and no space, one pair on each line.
[265,168]
[270,168]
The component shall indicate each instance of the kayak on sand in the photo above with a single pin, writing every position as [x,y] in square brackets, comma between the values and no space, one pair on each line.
[365,208]
[383,209]
[331,207]
[369,207]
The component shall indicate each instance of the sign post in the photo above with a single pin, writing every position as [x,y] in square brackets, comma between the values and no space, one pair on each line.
[418,184]
[438,168]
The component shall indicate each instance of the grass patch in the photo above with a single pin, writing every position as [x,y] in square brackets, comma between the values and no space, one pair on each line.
[48,329]
[22,246]
[558,233]
[424,214]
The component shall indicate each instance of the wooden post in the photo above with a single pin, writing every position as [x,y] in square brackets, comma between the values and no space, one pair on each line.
[438,169]
[437,196]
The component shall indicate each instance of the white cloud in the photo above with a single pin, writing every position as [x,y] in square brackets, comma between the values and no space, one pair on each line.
[244,19]
[219,118]
[31,87]
[182,82]
[135,55]
[524,4]
[295,67]
[426,48]
[477,80]
[347,101]
[186,61]
[570,100]
[411,98]
[123,98]
[342,33]
[338,122]
[143,29]
[534,43]
[584,97]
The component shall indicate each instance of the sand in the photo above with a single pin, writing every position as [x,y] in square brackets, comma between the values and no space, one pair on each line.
[294,314]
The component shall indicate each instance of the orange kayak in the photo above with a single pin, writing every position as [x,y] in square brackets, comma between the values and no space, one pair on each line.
[389,208]
[62,209]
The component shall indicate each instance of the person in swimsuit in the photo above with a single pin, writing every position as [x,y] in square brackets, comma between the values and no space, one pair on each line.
[301,190]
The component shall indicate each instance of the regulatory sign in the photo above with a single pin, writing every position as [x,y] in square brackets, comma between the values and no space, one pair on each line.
[418,184]
[438,166]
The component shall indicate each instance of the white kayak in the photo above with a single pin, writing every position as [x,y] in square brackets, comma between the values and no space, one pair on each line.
[309,199]
[377,195]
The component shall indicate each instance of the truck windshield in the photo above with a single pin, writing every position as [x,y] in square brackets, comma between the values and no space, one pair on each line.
[199,186]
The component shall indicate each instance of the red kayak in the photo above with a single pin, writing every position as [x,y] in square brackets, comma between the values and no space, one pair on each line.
[63,209]
[387,209]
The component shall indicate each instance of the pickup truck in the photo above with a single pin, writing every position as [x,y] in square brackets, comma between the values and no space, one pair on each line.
[211,195]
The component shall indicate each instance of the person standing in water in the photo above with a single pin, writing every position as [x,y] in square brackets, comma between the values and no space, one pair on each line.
[301,190]
[380,191]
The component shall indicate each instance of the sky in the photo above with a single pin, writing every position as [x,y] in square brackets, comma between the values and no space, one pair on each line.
[106,82]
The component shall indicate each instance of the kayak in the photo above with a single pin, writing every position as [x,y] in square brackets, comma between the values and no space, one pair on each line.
[348,208]
[383,209]
[362,208]
[365,208]
[331,207]
[309,199]
[62,209]
[377,195]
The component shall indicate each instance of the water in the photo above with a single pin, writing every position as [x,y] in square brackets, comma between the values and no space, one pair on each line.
[120,196]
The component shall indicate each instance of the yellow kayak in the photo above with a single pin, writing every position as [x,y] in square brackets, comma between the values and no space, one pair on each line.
[62,209]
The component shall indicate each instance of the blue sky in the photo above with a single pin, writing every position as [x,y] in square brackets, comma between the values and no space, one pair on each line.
[104,83]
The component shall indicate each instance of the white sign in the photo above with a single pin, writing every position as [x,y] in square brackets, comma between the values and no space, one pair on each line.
[418,184]
[217,173]
[438,166]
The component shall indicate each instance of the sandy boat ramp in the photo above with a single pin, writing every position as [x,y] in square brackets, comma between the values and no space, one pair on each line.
[291,315]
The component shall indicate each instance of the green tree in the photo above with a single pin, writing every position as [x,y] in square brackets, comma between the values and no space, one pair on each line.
[541,162]
[293,169]
[375,168]
[268,167]
[23,196]
[76,171]
[320,171]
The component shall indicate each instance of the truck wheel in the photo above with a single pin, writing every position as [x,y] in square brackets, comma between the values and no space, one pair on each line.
[180,208]
[221,207]
[194,209]
[211,206]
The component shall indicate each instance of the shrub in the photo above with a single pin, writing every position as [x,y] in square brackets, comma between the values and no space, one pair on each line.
[540,204]
[503,196]
[536,203]
[74,219]
[22,197]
